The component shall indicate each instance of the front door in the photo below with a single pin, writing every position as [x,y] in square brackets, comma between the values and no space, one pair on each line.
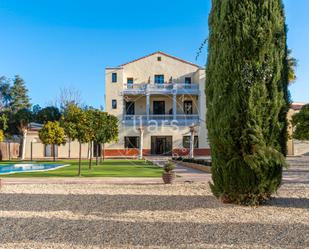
[158,107]
[161,145]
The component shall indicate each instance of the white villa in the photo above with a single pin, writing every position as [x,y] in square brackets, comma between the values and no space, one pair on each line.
[161,106]
[160,102]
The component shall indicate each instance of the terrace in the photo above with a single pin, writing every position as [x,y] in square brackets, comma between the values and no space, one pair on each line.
[164,88]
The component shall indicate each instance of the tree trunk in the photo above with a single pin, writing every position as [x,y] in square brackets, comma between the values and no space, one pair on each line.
[97,154]
[80,159]
[101,154]
[103,150]
[90,156]
[54,152]
[69,148]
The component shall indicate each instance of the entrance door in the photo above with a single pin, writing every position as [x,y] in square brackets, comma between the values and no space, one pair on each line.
[161,146]
[158,107]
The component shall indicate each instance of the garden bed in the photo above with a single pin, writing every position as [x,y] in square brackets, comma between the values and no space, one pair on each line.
[199,164]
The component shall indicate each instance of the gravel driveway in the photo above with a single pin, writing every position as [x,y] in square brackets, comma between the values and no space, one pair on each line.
[150,216]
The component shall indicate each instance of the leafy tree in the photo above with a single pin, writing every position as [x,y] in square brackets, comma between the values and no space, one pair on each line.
[109,132]
[105,127]
[19,95]
[76,127]
[3,122]
[91,115]
[301,123]
[50,113]
[247,98]
[19,125]
[5,94]
[1,136]
[36,109]
[3,127]
[68,121]
[52,134]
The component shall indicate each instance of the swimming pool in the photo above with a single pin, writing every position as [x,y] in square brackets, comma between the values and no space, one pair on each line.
[22,167]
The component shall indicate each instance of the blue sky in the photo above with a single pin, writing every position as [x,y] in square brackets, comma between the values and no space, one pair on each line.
[68,43]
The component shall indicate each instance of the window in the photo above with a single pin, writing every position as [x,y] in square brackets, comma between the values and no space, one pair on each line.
[49,150]
[131,142]
[159,58]
[188,80]
[159,79]
[186,142]
[130,108]
[114,77]
[130,82]
[114,104]
[188,107]
[158,107]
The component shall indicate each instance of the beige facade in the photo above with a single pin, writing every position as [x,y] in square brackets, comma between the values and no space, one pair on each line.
[296,147]
[36,150]
[165,96]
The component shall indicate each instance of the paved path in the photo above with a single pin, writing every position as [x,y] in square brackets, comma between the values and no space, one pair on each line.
[298,172]
[185,174]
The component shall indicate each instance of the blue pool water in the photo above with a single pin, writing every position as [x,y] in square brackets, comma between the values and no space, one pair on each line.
[18,168]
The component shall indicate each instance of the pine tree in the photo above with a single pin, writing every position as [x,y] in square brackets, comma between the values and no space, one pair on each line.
[247,98]
[19,95]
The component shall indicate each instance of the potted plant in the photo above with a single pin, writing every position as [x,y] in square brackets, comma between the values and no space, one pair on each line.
[168,175]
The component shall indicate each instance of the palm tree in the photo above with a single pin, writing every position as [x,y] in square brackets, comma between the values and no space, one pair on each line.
[292,64]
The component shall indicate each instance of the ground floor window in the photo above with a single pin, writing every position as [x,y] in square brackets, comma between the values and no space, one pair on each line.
[131,142]
[186,142]
[50,150]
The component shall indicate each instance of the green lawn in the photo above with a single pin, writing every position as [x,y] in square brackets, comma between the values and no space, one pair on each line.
[109,168]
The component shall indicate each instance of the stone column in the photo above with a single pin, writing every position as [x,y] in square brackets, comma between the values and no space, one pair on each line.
[147,105]
[141,142]
[23,149]
[192,132]
[174,106]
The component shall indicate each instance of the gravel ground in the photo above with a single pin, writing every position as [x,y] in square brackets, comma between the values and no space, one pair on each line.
[149,216]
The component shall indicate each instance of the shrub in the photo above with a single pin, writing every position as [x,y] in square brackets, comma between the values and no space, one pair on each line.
[168,167]
[197,161]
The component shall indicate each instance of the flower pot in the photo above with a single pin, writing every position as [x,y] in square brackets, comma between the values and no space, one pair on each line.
[168,177]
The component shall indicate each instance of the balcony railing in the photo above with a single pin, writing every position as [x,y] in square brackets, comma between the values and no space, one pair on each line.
[179,119]
[178,88]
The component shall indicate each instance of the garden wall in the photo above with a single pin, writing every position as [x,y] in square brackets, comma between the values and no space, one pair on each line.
[9,150]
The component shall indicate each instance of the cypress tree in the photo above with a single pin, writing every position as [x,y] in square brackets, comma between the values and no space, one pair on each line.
[247,98]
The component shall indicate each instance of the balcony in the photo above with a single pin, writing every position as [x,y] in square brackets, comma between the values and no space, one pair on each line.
[178,120]
[171,88]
